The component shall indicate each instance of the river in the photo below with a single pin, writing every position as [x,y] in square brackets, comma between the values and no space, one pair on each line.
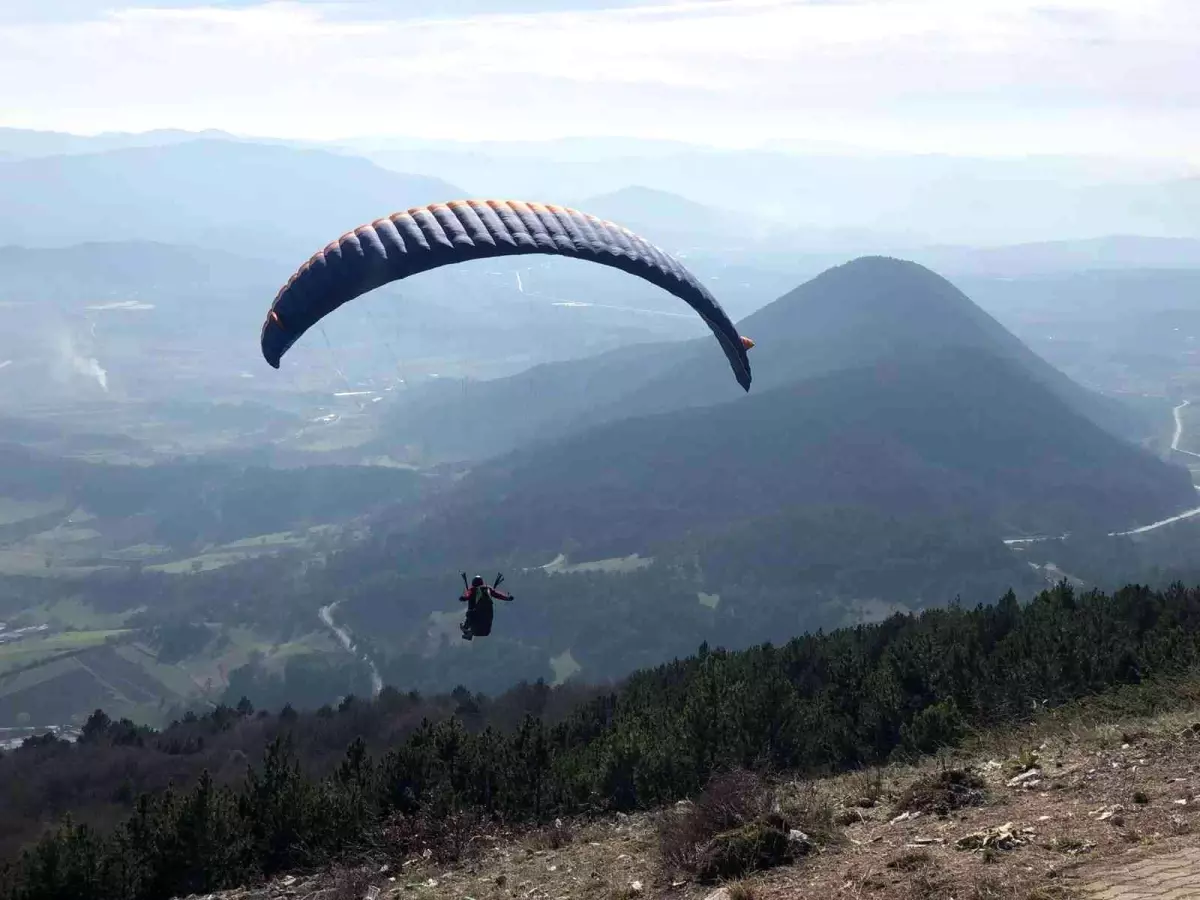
[347,640]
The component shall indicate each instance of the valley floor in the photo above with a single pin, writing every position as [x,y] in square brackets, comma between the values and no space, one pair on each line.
[1097,809]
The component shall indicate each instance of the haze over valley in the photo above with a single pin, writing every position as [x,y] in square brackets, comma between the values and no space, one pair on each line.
[520,413]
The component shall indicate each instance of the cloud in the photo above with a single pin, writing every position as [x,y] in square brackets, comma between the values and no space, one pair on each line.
[1009,76]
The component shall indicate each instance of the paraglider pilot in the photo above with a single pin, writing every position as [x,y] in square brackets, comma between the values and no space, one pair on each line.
[479,596]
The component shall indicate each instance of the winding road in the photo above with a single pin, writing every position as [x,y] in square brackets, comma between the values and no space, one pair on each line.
[1179,430]
[1186,514]
[1177,412]
[347,641]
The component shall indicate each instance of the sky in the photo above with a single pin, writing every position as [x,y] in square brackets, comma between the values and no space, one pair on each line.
[979,77]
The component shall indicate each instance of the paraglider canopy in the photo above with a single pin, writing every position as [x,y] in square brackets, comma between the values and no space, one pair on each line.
[426,237]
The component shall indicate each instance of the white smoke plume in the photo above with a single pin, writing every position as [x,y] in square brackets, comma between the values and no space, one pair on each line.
[87,366]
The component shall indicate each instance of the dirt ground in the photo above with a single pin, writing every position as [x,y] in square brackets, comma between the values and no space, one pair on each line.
[1095,812]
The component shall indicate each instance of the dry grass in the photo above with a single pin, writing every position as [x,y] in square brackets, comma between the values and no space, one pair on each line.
[988,888]
[910,860]
[865,788]
[350,883]
[808,807]
[554,837]
[928,886]
[737,825]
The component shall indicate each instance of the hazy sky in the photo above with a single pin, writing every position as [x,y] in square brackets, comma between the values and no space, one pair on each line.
[981,76]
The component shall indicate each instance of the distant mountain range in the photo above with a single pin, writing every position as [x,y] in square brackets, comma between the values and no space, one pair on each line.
[1114,252]
[129,269]
[252,199]
[677,222]
[21,143]
[834,199]
[896,202]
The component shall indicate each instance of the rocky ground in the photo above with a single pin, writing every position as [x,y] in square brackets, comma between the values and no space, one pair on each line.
[1095,812]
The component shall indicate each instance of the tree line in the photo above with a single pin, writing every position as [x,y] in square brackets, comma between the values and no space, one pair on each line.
[819,703]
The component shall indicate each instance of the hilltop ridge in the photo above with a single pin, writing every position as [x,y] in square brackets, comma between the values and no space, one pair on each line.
[863,311]
[854,315]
